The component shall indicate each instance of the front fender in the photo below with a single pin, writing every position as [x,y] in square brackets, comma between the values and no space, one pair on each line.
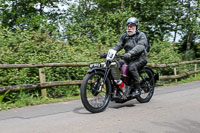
[91,70]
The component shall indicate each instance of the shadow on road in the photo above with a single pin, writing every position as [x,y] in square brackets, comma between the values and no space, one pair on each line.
[112,105]
[81,110]
[121,105]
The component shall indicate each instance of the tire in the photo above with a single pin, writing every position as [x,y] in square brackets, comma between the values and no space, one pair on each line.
[93,100]
[147,84]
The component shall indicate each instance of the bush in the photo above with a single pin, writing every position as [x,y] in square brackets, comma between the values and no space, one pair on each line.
[162,53]
[188,55]
[35,47]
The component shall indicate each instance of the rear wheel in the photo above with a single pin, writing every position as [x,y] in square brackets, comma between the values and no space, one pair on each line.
[93,98]
[147,85]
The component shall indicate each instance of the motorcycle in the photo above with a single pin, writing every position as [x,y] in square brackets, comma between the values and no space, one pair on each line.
[105,82]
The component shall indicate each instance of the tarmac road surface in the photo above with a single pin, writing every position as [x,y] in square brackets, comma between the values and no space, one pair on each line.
[173,109]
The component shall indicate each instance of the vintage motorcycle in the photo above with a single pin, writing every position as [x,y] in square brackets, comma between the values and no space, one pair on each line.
[105,82]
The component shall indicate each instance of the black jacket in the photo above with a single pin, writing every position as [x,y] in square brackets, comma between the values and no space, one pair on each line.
[136,49]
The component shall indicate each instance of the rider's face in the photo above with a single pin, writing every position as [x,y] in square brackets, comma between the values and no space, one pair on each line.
[132,27]
[131,30]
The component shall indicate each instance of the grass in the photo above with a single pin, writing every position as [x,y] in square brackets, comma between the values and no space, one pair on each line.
[23,99]
[31,101]
[191,78]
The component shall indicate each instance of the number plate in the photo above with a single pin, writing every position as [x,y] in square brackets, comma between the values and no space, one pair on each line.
[92,65]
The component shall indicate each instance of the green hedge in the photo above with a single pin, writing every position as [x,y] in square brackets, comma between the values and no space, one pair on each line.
[35,47]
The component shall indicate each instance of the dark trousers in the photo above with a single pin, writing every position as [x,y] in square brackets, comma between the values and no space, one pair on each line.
[134,66]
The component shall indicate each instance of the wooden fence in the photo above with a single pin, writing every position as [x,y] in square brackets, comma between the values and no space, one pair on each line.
[43,84]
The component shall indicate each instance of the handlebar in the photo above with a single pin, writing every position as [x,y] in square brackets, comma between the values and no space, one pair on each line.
[104,55]
[119,56]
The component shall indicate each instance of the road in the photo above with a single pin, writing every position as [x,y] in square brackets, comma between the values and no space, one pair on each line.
[173,109]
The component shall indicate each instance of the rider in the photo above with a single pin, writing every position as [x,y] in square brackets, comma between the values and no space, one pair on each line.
[135,51]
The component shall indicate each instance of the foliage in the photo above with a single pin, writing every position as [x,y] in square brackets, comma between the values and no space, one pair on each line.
[3,96]
[102,20]
[163,53]
[20,99]
[188,55]
[35,47]
[167,17]
[27,14]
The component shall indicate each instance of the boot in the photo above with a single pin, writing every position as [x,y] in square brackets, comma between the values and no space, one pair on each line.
[136,93]
[137,90]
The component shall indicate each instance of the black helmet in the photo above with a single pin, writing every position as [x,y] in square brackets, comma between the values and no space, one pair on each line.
[132,21]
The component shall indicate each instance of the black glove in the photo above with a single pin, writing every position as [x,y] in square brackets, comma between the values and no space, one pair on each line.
[127,56]
[103,55]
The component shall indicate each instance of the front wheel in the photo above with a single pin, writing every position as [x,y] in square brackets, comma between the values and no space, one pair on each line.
[93,98]
[147,84]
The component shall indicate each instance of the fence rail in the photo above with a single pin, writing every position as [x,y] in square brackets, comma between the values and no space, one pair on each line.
[43,84]
[153,65]
[6,66]
[82,64]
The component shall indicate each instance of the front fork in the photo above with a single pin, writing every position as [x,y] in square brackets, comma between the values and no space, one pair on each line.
[105,76]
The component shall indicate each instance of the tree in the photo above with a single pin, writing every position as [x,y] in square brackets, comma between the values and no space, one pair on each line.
[27,14]
[159,19]
[190,28]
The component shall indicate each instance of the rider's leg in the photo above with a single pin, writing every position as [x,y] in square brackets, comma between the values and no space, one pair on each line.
[134,66]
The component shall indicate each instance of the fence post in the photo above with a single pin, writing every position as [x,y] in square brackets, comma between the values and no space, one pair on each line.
[175,73]
[195,69]
[42,80]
